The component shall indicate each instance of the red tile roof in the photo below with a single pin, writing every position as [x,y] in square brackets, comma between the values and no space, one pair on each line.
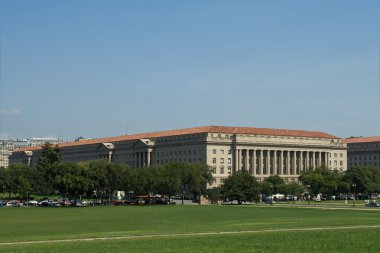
[195,130]
[362,139]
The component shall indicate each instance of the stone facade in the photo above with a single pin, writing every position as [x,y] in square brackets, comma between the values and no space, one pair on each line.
[262,152]
[363,151]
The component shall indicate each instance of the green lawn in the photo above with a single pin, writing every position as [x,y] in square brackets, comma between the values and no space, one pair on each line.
[249,228]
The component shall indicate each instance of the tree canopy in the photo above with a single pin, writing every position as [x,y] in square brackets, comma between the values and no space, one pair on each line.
[240,186]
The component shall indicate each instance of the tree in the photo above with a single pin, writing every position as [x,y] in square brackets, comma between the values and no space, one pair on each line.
[214,195]
[321,180]
[366,179]
[146,181]
[21,180]
[71,179]
[46,167]
[105,177]
[240,186]
[293,188]
[274,182]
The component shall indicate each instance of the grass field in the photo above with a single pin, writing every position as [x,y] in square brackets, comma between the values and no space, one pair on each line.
[189,228]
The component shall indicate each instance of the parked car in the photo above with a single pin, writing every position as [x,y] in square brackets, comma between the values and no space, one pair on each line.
[373,204]
[32,203]
[2,204]
[81,204]
[49,203]
[13,203]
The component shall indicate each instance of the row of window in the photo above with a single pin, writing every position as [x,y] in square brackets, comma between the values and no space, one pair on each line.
[222,170]
[365,164]
[356,158]
[190,160]
[221,160]
[214,151]
[179,153]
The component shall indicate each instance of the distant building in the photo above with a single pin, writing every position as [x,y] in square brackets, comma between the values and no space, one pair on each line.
[21,143]
[36,142]
[261,151]
[363,151]
[7,146]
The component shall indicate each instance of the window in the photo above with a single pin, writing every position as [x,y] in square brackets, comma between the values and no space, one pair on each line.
[229,170]
[214,160]
[229,151]
[214,170]
[222,170]
[229,160]
[341,155]
[214,151]
[341,163]
[335,155]
[222,151]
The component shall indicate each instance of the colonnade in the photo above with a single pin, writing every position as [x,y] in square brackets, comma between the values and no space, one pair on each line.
[143,159]
[262,161]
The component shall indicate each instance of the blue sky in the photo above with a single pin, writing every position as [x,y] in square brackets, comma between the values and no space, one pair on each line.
[92,68]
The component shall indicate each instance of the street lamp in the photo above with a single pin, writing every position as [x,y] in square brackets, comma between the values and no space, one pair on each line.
[354,185]
[308,193]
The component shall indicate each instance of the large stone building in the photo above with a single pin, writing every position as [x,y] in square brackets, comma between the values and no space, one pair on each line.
[363,151]
[261,151]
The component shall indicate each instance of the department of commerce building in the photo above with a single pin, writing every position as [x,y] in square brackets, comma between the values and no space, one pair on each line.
[261,151]
[363,151]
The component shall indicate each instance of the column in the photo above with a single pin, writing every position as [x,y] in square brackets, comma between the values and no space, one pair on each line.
[287,162]
[307,160]
[294,162]
[268,163]
[137,159]
[109,156]
[313,160]
[326,159]
[148,158]
[275,163]
[281,162]
[301,161]
[240,154]
[261,162]
[246,162]
[236,159]
[319,159]
[254,162]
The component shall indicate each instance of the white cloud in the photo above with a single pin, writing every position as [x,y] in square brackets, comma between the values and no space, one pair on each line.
[10,112]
